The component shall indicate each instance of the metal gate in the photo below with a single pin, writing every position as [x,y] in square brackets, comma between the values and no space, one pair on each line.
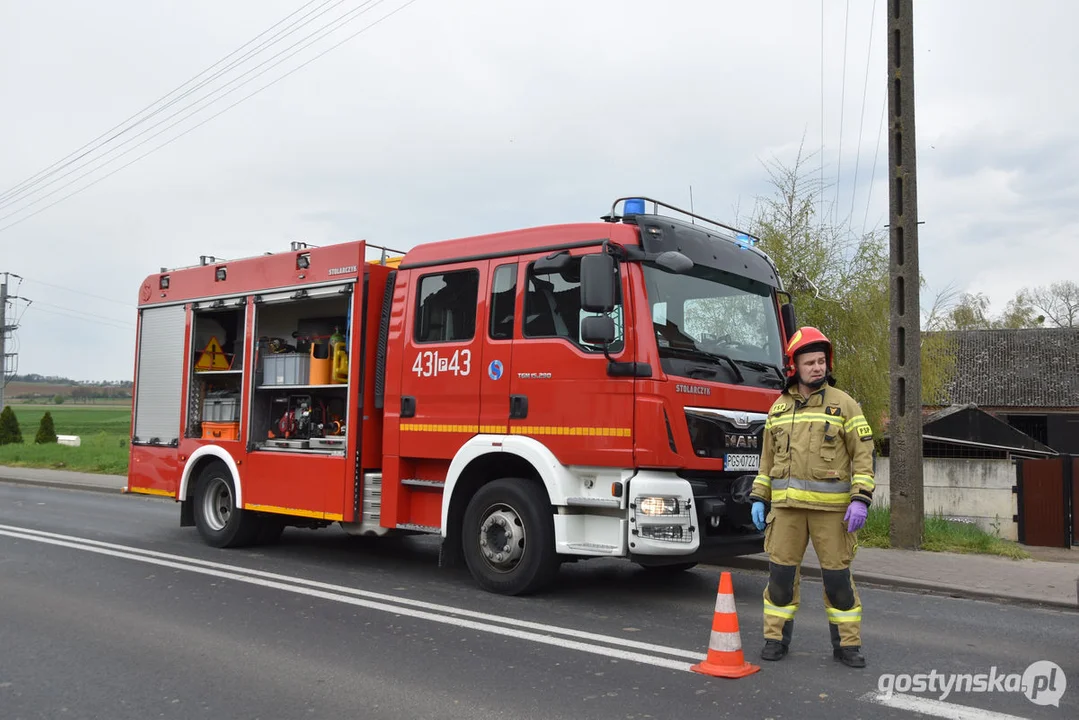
[1073,505]
[1047,491]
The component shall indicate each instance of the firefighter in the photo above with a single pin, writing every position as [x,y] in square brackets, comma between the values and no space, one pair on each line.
[815,482]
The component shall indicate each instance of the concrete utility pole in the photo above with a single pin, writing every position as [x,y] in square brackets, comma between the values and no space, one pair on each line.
[905,468]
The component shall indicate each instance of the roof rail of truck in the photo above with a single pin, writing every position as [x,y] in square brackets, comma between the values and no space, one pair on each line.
[640,200]
[385,258]
[740,237]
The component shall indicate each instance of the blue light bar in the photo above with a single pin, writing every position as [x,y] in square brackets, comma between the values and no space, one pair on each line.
[745,240]
[633,206]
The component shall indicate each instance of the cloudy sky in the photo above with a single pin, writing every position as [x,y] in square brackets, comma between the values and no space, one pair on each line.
[456,118]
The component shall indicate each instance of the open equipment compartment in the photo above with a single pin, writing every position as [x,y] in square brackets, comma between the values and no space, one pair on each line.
[217,367]
[301,371]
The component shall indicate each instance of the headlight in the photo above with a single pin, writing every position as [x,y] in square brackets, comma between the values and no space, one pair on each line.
[659,506]
[670,533]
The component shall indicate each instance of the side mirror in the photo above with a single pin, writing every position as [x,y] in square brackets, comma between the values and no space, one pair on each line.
[553,263]
[598,291]
[789,326]
[674,261]
[597,330]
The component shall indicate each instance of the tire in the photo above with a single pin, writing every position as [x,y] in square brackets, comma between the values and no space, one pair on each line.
[520,508]
[220,523]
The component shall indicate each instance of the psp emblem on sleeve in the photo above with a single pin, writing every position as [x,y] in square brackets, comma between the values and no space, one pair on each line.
[865,432]
[494,370]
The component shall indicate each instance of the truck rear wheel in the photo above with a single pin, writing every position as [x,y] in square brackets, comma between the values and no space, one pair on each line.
[220,523]
[508,537]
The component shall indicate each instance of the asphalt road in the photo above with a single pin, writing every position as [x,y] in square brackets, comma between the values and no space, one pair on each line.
[110,609]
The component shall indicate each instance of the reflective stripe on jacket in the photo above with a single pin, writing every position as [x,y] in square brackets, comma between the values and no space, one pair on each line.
[817,452]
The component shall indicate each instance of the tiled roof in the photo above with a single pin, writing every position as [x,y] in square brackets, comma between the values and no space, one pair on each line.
[1016,368]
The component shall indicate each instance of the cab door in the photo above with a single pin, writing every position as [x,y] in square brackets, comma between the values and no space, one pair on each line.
[443,350]
[561,394]
[502,312]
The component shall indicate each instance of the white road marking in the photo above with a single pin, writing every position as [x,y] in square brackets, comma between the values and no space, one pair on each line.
[446,609]
[936,708]
[387,603]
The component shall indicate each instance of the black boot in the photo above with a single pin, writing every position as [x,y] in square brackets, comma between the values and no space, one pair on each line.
[849,656]
[773,650]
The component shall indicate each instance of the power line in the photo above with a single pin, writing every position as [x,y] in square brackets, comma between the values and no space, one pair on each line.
[195,127]
[873,177]
[15,197]
[820,204]
[92,161]
[80,292]
[842,108]
[105,322]
[91,315]
[861,120]
[99,137]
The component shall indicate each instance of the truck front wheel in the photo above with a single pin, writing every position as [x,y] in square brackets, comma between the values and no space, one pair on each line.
[220,523]
[508,537]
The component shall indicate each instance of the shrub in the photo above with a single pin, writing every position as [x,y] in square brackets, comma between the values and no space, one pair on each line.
[46,432]
[10,432]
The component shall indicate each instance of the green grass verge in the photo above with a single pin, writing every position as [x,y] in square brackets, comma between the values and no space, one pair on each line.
[103,429]
[940,535]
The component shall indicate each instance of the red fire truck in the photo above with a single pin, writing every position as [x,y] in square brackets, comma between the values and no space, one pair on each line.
[532,397]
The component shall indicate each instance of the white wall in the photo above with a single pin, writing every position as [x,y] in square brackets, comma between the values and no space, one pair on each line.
[973,490]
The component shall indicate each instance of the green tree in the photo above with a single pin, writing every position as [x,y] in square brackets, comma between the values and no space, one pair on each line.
[46,432]
[10,432]
[839,280]
[58,399]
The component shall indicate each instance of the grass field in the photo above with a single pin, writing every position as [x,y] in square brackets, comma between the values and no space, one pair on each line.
[941,535]
[103,429]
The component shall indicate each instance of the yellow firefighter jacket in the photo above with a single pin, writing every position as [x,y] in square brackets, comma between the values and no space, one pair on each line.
[817,452]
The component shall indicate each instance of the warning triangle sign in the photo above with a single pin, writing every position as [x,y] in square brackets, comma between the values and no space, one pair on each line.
[213,357]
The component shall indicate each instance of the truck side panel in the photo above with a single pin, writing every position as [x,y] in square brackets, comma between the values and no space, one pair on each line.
[442,341]
[573,406]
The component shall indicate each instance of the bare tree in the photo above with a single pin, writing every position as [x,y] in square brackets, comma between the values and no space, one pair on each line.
[1059,301]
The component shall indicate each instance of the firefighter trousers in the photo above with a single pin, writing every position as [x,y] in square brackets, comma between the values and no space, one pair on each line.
[785,540]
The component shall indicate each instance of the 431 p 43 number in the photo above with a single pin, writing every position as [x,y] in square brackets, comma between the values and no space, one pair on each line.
[431,363]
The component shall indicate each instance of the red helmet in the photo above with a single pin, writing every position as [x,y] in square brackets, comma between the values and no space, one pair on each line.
[807,339]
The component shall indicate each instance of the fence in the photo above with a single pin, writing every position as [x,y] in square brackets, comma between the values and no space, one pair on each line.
[969,490]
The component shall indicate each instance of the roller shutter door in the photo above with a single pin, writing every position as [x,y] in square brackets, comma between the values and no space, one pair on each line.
[158,393]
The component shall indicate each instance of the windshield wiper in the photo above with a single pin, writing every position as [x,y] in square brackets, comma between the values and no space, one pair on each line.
[762,366]
[714,357]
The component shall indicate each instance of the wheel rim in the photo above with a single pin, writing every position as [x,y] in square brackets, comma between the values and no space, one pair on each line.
[502,537]
[217,504]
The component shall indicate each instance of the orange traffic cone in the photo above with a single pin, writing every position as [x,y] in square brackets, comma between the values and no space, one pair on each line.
[725,657]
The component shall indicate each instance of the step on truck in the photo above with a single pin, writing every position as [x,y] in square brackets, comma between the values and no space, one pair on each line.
[530,397]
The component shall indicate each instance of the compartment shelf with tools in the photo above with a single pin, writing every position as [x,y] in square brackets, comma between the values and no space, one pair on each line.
[301,373]
[217,367]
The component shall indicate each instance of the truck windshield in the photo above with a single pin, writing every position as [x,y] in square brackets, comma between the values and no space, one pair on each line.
[713,324]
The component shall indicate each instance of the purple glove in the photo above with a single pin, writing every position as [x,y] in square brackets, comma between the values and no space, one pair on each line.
[855,517]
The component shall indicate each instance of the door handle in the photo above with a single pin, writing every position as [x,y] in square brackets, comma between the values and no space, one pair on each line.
[518,407]
[408,406]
